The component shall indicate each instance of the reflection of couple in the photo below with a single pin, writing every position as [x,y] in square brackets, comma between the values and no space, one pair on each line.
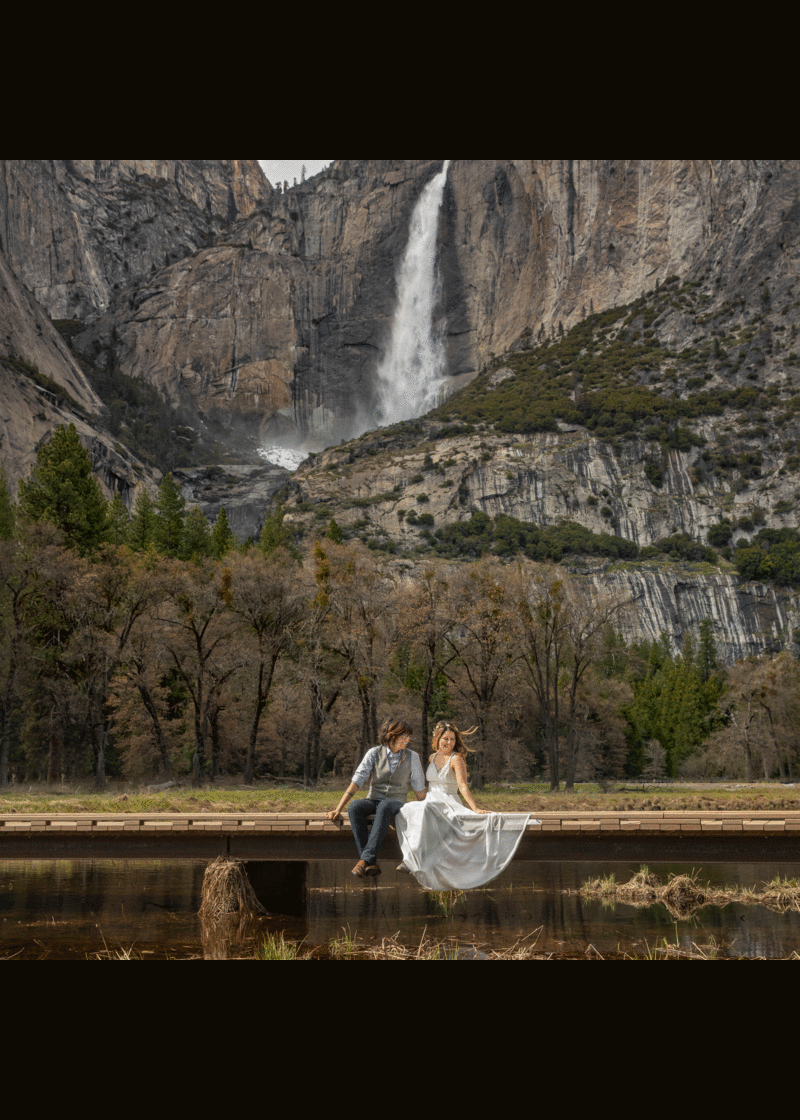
[445,846]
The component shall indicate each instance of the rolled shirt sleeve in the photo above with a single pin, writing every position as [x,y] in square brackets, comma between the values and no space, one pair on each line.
[363,771]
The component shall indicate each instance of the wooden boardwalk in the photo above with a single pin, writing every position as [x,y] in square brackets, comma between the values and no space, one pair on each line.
[730,837]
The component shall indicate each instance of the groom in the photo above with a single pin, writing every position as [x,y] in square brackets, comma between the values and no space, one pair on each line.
[391,768]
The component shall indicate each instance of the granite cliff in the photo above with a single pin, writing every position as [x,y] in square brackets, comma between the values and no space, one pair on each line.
[76,231]
[42,388]
[72,234]
[268,311]
[276,328]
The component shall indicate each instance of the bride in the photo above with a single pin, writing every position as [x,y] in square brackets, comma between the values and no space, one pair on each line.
[444,845]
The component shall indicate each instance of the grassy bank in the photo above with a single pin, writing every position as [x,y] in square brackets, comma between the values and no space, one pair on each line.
[521,797]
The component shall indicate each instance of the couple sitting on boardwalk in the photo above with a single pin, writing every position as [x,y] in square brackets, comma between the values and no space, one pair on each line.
[445,845]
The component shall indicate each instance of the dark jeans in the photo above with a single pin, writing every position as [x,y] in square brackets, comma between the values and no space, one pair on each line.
[368,843]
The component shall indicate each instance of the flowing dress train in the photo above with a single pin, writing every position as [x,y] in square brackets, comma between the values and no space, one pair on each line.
[448,847]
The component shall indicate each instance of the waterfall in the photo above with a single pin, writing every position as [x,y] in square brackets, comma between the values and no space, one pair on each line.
[411,376]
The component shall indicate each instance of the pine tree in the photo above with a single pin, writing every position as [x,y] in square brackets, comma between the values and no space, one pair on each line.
[170,517]
[6,509]
[223,538]
[119,521]
[333,532]
[196,536]
[63,491]
[277,535]
[707,653]
[143,523]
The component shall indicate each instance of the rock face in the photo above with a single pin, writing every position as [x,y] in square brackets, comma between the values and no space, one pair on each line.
[275,329]
[398,487]
[42,388]
[76,231]
[542,479]
[268,312]
[673,599]
[243,489]
[532,242]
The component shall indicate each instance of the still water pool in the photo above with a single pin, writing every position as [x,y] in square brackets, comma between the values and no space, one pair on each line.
[74,910]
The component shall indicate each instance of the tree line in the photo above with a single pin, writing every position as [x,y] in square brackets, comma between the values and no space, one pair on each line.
[155,644]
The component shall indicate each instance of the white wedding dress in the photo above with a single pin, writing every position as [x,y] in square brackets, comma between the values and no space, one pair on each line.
[448,847]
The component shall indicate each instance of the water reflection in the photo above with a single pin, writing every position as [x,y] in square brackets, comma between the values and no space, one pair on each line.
[71,909]
[66,909]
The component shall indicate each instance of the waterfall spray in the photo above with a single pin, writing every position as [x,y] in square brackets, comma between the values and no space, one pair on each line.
[411,376]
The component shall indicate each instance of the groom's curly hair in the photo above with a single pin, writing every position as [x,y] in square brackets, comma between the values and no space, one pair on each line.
[392,729]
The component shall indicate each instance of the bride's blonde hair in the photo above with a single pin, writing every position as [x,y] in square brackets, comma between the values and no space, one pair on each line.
[445,725]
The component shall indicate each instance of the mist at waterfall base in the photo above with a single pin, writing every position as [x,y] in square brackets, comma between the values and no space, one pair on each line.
[411,377]
[289,458]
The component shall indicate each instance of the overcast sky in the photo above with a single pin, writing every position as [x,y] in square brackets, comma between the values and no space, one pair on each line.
[278,170]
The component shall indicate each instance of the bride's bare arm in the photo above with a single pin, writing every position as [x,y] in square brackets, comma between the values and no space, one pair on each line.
[459,766]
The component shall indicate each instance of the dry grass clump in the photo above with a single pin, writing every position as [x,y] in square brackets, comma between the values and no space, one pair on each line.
[390,949]
[351,948]
[641,887]
[429,949]
[667,951]
[227,890]
[122,954]
[683,895]
[230,910]
[605,887]
[781,894]
[519,951]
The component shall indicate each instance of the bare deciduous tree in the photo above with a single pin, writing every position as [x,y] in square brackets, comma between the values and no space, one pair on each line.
[267,597]
[480,648]
[198,628]
[560,626]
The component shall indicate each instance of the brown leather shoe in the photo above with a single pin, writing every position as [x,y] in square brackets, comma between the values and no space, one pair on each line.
[372,869]
[360,869]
